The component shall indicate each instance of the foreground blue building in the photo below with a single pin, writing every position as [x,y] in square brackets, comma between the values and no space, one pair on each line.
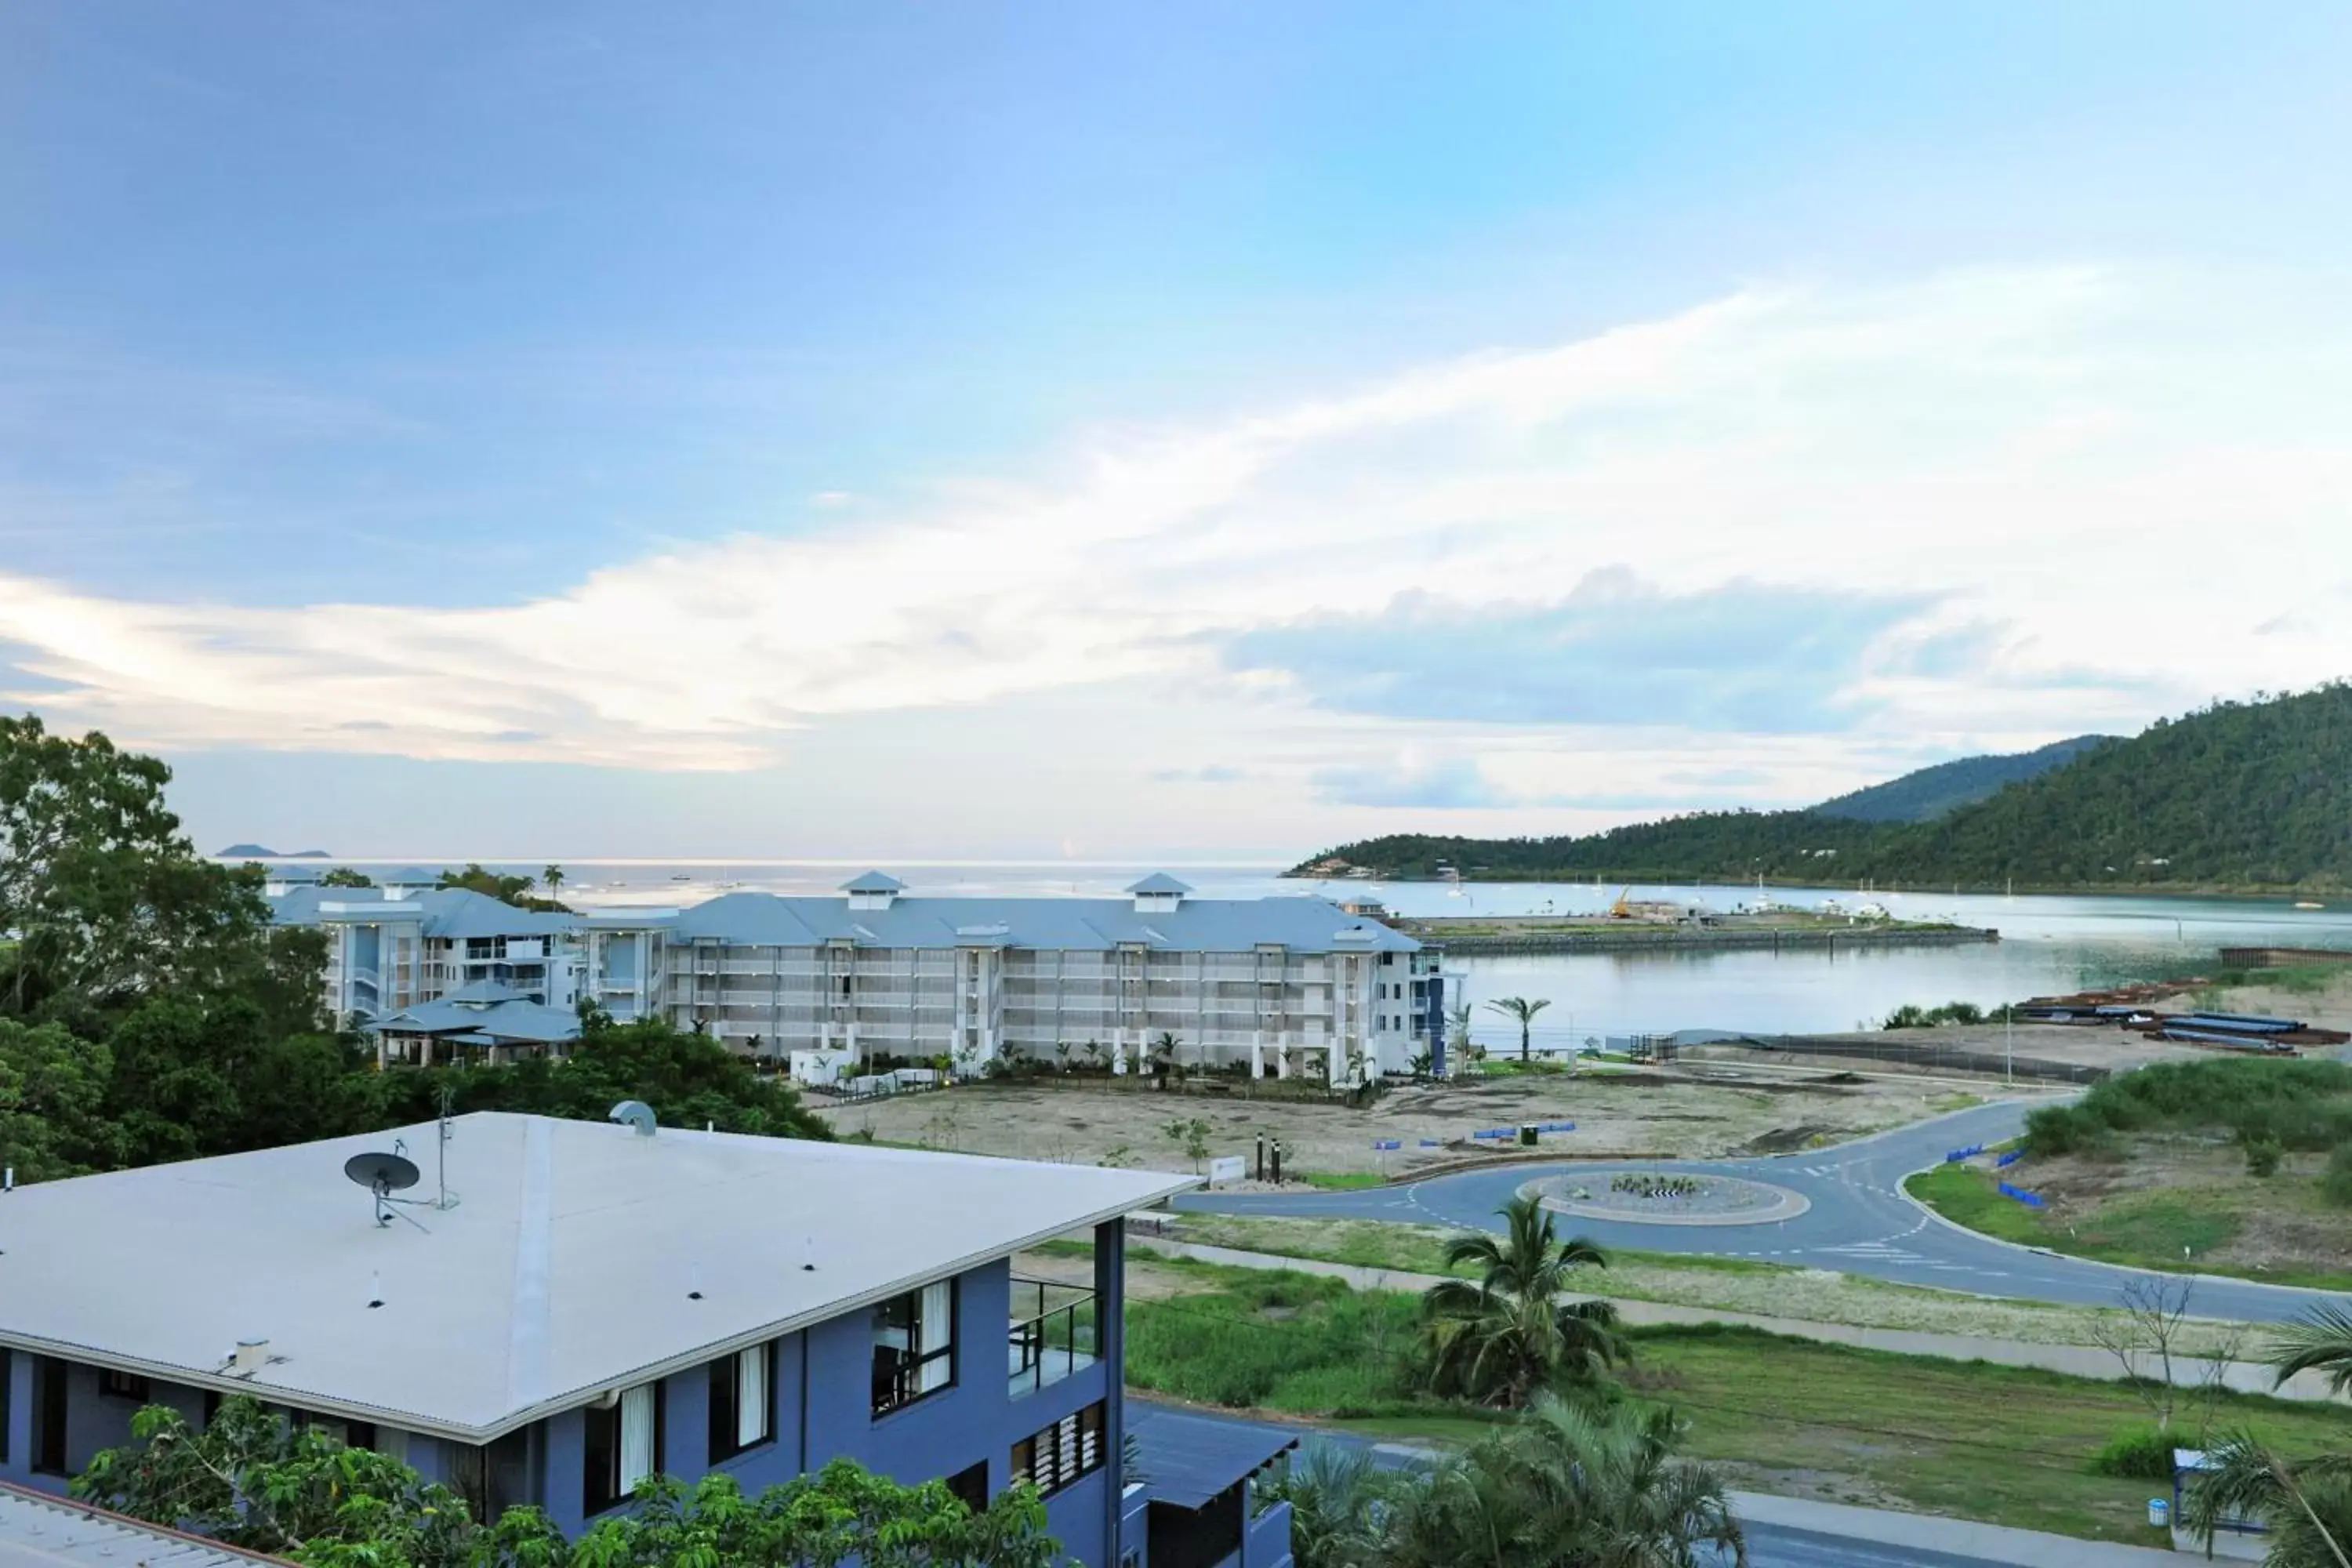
[560,1309]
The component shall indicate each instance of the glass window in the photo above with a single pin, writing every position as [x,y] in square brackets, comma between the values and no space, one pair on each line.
[622,1445]
[914,1345]
[742,1411]
[1062,1453]
[122,1384]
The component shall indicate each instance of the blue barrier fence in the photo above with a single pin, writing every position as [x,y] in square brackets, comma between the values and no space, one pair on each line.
[2012,1158]
[2030,1200]
[1957,1155]
[1386,1143]
[1560,1127]
[1432,1143]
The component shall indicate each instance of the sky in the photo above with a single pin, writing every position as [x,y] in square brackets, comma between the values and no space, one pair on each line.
[1104,430]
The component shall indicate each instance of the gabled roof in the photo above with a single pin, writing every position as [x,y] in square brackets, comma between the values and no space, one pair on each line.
[1076,925]
[874,882]
[1160,882]
[441,911]
[563,1273]
[37,1531]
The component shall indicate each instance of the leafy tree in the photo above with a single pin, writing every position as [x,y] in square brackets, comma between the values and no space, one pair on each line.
[108,898]
[1522,1011]
[1509,1336]
[516,890]
[52,1099]
[345,877]
[1571,1486]
[253,1481]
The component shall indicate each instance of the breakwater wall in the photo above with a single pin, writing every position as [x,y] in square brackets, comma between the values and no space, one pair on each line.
[1458,941]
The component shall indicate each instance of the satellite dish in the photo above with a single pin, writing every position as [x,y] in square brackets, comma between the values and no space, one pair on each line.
[382,1172]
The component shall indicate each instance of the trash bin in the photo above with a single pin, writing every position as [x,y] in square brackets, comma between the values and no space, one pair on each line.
[2160,1511]
[1527,1134]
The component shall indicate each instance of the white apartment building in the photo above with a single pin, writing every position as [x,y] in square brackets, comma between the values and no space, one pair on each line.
[1289,984]
[404,943]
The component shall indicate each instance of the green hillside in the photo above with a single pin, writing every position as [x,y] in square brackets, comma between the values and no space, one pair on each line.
[2237,795]
[1940,790]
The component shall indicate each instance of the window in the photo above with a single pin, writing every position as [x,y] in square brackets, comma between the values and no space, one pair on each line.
[914,1345]
[122,1385]
[970,1486]
[49,1376]
[1059,1456]
[622,1445]
[742,1413]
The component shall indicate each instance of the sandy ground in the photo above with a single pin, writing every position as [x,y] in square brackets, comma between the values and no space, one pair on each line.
[1732,1111]
[2329,1009]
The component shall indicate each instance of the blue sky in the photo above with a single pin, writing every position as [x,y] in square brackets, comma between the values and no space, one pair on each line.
[840,430]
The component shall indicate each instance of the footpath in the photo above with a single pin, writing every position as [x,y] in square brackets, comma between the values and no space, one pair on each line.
[2075,1360]
[1932,1533]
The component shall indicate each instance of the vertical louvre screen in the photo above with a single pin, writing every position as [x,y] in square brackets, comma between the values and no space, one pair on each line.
[637,1436]
[936,1321]
[1064,1453]
[752,1397]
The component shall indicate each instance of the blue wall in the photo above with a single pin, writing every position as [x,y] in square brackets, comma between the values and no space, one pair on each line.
[823,1389]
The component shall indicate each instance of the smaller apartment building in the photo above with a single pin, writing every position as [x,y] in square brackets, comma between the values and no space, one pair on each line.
[398,946]
[1290,984]
[596,1304]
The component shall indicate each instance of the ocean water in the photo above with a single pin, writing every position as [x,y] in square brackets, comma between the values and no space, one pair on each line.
[2050,944]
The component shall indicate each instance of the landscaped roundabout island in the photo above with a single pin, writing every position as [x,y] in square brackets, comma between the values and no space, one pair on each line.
[1666,1197]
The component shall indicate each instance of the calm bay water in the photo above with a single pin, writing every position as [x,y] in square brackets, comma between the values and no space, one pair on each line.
[2050,944]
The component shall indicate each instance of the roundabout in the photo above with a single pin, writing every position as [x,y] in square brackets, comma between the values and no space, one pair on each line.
[1644,1196]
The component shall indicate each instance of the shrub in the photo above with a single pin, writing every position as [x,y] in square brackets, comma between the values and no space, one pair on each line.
[2263,1154]
[2064,1129]
[2337,1182]
[2141,1453]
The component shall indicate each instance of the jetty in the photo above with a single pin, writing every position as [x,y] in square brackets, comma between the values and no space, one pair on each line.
[1463,935]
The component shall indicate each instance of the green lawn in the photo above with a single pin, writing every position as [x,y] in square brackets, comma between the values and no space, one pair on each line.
[2175,1228]
[1342,1181]
[2006,1444]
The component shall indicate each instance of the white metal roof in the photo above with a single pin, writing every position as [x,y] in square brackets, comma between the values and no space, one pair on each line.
[565,1269]
[37,1531]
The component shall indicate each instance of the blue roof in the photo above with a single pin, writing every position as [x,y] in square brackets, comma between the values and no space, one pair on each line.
[1197,925]
[443,911]
[1160,882]
[517,1018]
[1191,1460]
[874,882]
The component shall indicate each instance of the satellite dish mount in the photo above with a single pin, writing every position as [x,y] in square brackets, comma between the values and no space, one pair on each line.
[384,1174]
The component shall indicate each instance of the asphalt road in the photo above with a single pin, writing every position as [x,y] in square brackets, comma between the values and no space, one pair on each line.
[1859,1222]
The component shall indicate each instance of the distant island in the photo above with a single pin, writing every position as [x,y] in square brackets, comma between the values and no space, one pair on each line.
[263,852]
[2240,796]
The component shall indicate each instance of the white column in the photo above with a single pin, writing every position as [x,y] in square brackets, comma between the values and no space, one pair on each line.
[1118,1050]
[1257,1054]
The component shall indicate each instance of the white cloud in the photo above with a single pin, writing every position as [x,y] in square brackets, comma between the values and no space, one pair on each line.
[2067,466]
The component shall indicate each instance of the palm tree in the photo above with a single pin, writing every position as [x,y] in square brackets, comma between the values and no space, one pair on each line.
[2319,1341]
[2306,1507]
[1457,1026]
[1571,1487]
[1343,1506]
[1509,1335]
[1525,1010]
[553,878]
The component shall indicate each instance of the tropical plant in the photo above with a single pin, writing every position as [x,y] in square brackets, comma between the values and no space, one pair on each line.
[1571,1485]
[2319,1341]
[1508,1336]
[345,877]
[1344,1509]
[551,879]
[2305,1506]
[1523,1011]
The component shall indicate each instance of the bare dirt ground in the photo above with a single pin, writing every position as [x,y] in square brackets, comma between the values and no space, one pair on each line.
[2189,1189]
[2327,1008]
[1731,1110]
[2078,1045]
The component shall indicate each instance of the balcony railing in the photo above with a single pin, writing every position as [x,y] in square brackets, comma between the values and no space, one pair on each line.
[1053,1333]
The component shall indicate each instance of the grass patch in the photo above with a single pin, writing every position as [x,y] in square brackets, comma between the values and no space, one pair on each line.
[1341,1181]
[2175,1229]
[1720,1284]
[1299,1343]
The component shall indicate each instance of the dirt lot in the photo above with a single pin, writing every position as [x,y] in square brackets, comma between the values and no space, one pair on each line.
[1731,1110]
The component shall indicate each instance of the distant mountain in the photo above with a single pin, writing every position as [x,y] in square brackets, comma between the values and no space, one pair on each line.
[2241,795]
[1938,791]
[263,852]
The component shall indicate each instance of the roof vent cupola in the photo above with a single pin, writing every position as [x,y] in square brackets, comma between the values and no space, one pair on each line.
[1157,894]
[873,890]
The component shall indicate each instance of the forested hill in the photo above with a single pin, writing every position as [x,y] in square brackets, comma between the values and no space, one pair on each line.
[2241,794]
[1938,791]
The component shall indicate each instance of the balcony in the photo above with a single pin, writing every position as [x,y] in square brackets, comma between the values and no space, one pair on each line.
[1053,1333]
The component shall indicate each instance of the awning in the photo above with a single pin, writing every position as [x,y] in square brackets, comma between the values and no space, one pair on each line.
[1189,1460]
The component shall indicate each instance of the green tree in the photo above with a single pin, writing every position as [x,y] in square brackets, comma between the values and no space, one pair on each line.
[1509,1335]
[52,1102]
[1571,1486]
[2319,1341]
[841,1514]
[552,880]
[346,877]
[1524,1012]
[1344,1509]
[108,898]
[508,890]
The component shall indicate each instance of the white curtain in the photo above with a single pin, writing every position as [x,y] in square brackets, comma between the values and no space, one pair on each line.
[935,1331]
[636,1436]
[752,1397]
